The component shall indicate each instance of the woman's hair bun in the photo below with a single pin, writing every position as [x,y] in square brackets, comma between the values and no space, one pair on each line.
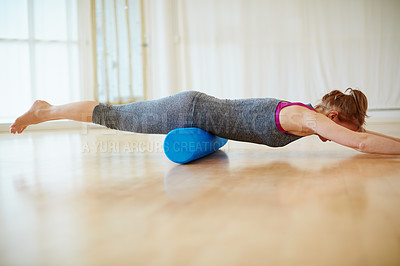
[352,107]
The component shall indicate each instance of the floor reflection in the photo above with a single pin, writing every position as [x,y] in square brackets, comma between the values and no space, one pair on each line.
[184,181]
[313,179]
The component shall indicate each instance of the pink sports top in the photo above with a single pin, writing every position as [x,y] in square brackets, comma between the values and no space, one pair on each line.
[282,105]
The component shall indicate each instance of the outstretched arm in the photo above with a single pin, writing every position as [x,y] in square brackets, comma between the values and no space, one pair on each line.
[361,141]
[382,135]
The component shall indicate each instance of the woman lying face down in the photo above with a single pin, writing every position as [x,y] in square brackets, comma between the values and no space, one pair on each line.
[339,117]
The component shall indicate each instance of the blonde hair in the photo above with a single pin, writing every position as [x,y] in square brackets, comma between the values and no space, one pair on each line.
[352,107]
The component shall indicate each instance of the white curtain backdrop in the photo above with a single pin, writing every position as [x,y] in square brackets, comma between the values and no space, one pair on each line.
[118,50]
[288,49]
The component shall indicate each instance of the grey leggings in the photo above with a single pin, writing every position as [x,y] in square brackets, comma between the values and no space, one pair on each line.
[250,120]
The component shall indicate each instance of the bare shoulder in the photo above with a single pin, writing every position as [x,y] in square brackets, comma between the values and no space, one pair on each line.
[297,120]
[302,121]
[328,129]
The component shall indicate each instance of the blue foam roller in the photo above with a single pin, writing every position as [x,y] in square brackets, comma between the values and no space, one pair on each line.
[183,145]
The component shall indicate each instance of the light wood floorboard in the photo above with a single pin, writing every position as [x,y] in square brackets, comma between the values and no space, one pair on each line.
[99,197]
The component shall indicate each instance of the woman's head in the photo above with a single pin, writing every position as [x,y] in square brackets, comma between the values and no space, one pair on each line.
[348,110]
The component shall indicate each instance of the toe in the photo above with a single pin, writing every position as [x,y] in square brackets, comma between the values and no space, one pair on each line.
[12,128]
[22,129]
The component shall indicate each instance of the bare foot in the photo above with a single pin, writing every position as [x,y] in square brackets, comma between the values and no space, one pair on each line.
[34,115]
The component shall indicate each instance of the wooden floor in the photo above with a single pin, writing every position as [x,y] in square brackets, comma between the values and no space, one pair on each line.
[98,197]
